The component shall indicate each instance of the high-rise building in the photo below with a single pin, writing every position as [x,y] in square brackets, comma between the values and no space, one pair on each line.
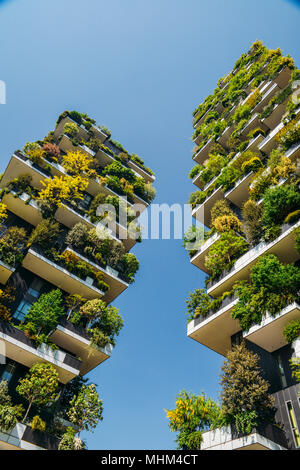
[247,137]
[68,210]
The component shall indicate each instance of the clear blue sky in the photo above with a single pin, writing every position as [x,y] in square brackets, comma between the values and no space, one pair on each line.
[140,67]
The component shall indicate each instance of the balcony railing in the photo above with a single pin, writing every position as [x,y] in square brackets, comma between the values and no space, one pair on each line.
[23,437]
[22,349]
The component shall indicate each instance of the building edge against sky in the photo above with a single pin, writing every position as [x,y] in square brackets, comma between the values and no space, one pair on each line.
[55,251]
[247,149]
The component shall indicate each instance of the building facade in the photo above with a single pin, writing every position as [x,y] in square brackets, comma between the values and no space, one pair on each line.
[247,137]
[69,205]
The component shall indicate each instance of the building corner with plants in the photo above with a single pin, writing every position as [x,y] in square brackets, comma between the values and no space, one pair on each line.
[61,267]
[246,238]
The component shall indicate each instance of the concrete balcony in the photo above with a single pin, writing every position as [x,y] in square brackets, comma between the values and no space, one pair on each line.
[270,142]
[39,264]
[283,247]
[76,340]
[215,330]
[202,211]
[269,334]
[23,350]
[240,192]
[5,272]
[59,130]
[67,146]
[23,437]
[110,276]
[268,437]
[203,152]
[198,259]
[23,206]
[20,165]
[283,77]
[293,152]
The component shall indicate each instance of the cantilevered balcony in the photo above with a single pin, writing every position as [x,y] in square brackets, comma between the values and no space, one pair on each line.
[20,165]
[110,276]
[270,142]
[202,211]
[38,263]
[77,340]
[23,206]
[264,437]
[23,350]
[198,259]
[23,437]
[269,334]
[59,130]
[203,152]
[294,152]
[283,247]
[67,145]
[5,272]
[240,192]
[215,330]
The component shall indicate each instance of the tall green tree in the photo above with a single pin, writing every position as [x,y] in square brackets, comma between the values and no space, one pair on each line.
[86,408]
[39,386]
[245,398]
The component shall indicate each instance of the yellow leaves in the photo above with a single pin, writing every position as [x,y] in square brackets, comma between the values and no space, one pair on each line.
[61,188]
[78,163]
[3,211]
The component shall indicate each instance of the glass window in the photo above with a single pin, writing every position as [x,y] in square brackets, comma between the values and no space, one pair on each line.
[22,310]
[8,371]
[281,372]
[293,423]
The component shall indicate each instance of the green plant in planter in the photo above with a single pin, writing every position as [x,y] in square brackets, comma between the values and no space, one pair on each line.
[252,225]
[195,171]
[86,409]
[292,331]
[38,423]
[45,233]
[273,286]
[279,202]
[12,244]
[193,415]
[224,252]
[9,414]
[71,129]
[77,235]
[130,265]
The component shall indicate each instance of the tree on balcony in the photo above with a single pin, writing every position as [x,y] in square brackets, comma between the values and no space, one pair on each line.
[39,386]
[245,398]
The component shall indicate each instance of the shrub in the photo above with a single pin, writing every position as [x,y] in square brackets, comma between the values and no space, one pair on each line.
[44,314]
[252,214]
[45,233]
[220,209]
[195,171]
[9,416]
[130,266]
[52,151]
[36,155]
[38,423]
[279,202]
[226,223]
[70,442]
[71,129]
[29,146]
[192,415]
[252,165]
[224,252]
[77,236]
[292,331]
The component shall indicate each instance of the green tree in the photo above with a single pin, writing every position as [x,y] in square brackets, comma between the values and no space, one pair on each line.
[39,386]
[245,398]
[46,311]
[86,409]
